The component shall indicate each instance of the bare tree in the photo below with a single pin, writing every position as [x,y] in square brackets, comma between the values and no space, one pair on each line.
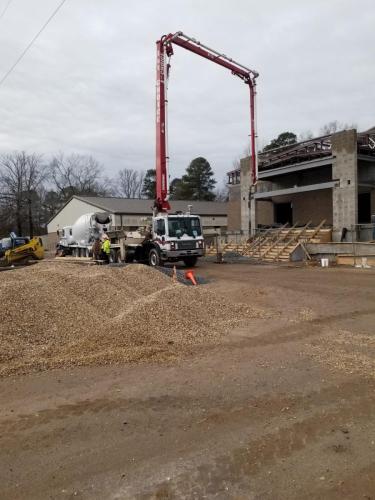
[108,186]
[21,176]
[12,178]
[247,150]
[75,174]
[130,183]
[49,204]
[335,126]
[35,175]
[236,164]
[141,178]
[222,191]
[305,135]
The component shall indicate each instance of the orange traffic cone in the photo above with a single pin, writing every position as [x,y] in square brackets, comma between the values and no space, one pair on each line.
[189,275]
[174,274]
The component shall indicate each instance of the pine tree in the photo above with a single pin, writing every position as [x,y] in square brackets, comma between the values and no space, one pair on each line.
[149,184]
[284,139]
[198,182]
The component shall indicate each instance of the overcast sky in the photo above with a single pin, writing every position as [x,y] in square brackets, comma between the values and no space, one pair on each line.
[88,83]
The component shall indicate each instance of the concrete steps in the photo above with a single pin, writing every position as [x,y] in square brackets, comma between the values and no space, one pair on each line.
[278,245]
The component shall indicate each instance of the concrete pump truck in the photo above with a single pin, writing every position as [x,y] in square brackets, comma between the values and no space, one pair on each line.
[167,237]
[165,226]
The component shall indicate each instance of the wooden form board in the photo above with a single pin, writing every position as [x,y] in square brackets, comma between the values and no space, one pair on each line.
[323,236]
[350,260]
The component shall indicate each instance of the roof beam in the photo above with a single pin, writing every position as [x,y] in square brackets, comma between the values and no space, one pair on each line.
[295,167]
[295,190]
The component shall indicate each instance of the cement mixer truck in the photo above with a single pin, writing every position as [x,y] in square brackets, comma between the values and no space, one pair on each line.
[162,238]
[78,239]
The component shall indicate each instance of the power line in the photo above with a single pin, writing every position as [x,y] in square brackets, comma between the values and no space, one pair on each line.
[5,8]
[32,42]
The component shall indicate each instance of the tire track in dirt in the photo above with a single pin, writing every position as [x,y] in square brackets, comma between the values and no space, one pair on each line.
[298,331]
[239,465]
[256,407]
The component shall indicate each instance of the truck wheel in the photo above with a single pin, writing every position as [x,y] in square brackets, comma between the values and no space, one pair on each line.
[75,252]
[129,256]
[154,258]
[112,256]
[190,261]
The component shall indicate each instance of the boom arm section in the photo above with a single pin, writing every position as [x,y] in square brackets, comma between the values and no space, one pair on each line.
[165,51]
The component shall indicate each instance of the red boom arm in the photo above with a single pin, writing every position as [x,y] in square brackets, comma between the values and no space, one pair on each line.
[164,51]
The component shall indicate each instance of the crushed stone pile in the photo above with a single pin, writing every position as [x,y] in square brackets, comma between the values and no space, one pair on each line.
[62,315]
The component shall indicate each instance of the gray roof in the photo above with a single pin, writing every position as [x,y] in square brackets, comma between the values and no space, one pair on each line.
[140,207]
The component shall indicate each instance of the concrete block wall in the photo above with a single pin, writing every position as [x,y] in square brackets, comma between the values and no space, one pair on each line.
[265,213]
[303,178]
[261,211]
[238,204]
[313,205]
[234,208]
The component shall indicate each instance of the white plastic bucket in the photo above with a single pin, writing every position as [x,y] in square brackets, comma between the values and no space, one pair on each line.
[324,262]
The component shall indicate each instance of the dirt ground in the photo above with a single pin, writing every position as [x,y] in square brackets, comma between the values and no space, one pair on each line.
[280,409]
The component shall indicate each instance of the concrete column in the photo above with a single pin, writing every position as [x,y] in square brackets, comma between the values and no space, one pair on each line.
[234,208]
[253,215]
[345,170]
[245,194]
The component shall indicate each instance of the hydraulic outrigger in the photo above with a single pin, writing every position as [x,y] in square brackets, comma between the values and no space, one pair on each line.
[164,53]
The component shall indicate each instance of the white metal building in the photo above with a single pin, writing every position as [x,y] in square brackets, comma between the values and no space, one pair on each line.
[128,213]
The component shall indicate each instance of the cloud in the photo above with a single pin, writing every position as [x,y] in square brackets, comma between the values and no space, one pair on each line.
[88,84]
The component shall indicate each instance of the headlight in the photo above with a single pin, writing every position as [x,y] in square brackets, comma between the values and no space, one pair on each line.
[199,244]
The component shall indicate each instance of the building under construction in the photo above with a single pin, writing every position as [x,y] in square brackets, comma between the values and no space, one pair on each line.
[330,179]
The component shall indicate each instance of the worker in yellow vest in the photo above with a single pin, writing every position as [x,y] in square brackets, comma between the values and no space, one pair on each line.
[106,248]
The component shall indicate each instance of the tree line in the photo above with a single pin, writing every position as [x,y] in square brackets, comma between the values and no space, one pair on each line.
[290,138]
[32,190]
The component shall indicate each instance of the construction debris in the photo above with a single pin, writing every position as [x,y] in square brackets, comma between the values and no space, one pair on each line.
[61,316]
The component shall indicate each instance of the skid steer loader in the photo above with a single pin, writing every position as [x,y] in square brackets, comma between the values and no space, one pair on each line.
[19,250]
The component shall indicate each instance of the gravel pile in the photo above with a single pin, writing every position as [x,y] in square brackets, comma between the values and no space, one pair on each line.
[62,315]
[347,351]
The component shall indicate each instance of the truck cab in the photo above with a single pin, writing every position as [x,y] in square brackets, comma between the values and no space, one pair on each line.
[66,237]
[176,237]
[11,242]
